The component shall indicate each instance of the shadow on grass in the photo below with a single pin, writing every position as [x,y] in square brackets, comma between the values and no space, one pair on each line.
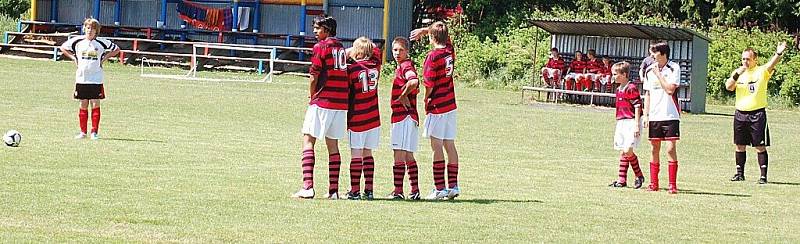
[474,201]
[130,140]
[693,192]
[784,183]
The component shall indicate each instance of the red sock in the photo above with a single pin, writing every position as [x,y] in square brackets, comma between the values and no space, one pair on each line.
[623,169]
[334,162]
[308,169]
[452,175]
[654,168]
[438,174]
[399,172]
[355,174]
[635,165]
[673,174]
[413,176]
[369,171]
[95,119]
[83,118]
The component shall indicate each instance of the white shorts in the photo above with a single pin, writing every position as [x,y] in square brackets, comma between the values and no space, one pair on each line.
[551,72]
[574,76]
[624,137]
[365,139]
[325,123]
[605,79]
[441,126]
[405,135]
[592,76]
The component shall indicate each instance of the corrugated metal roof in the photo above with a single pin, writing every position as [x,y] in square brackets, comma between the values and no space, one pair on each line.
[616,29]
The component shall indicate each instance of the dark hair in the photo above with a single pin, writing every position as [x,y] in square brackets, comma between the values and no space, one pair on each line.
[578,51]
[438,30]
[591,52]
[554,49]
[661,47]
[327,22]
[750,49]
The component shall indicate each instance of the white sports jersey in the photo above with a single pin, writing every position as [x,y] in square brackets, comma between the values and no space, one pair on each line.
[89,54]
[663,107]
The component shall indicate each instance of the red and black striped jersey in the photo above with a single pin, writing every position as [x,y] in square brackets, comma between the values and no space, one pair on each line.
[628,101]
[556,64]
[399,112]
[362,114]
[438,74]
[329,65]
[577,66]
[594,66]
[607,68]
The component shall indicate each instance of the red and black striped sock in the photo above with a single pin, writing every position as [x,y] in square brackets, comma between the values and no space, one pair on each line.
[334,163]
[635,165]
[452,175]
[413,176]
[308,168]
[355,174]
[83,119]
[399,170]
[623,169]
[438,174]
[369,171]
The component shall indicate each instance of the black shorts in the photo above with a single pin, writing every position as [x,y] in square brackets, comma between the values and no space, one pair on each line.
[664,130]
[89,91]
[750,128]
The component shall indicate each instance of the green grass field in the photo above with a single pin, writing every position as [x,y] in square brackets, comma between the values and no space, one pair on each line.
[194,161]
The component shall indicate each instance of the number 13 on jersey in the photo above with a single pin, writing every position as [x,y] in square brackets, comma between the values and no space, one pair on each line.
[369,80]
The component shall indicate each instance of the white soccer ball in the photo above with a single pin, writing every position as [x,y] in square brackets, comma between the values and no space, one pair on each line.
[12,138]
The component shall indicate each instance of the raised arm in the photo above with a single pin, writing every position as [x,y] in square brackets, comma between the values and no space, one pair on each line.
[777,57]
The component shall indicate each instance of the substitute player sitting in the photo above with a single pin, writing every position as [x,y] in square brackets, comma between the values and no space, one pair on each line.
[552,71]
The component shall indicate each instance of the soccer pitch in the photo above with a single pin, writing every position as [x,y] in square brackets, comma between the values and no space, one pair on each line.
[195,161]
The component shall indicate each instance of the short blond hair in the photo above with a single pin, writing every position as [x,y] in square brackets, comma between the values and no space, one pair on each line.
[621,68]
[438,32]
[362,48]
[93,23]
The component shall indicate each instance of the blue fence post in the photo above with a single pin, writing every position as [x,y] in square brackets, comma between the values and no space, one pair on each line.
[96,9]
[55,54]
[5,37]
[257,17]
[118,13]
[54,12]
[260,66]
[19,25]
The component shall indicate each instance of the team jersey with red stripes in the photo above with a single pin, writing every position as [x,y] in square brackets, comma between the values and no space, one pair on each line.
[556,64]
[607,68]
[329,65]
[438,74]
[628,101]
[577,66]
[594,66]
[363,114]
[400,112]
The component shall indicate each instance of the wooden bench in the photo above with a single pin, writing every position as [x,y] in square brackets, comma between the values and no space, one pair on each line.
[557,92]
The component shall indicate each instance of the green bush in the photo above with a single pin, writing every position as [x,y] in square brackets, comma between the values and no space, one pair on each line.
[14,8]
[7,24]
[724,56]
